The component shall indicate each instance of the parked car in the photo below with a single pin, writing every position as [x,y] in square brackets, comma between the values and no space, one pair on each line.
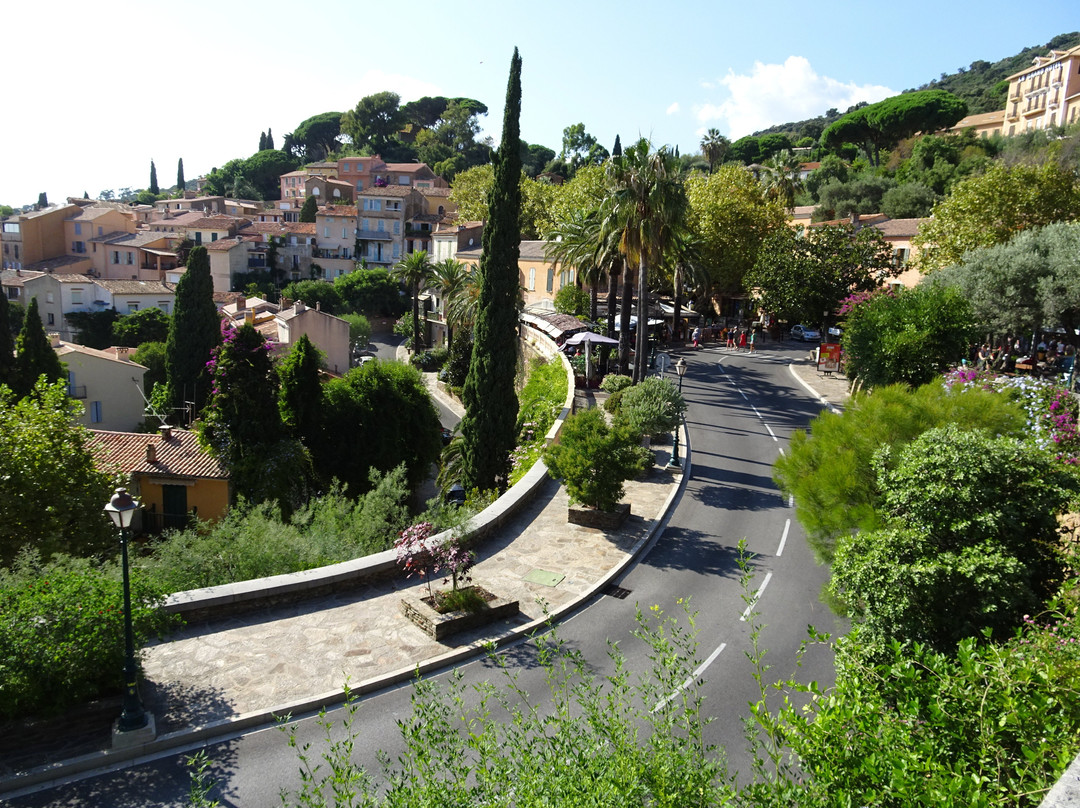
[805,333]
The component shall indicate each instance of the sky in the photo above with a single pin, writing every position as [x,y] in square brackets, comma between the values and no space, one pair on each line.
[94,91]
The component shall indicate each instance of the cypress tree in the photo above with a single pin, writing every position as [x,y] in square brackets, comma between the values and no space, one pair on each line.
[309,209]
[616,150]
[34,356]
[262,141]
[42,201]
[153,179]
[488,429]
[269,138]
[300,395]
[180,175]
[7,345]
[85,194]
[194,332]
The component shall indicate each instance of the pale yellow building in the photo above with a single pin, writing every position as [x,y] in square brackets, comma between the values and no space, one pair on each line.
[107,384]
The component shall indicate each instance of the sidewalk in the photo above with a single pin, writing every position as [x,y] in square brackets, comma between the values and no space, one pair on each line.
[217,677]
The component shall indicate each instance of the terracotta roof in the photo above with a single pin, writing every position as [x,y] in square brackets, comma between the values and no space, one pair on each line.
[59,262]
[226,244]
[408,168]
[177,219]
[899,227]
[138,239]
[15,277]
[178,456]
[867,220]
[434,191]
[981,119]
[91,213]
[45,211]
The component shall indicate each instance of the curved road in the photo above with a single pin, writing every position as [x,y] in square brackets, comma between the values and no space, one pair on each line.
[742,410]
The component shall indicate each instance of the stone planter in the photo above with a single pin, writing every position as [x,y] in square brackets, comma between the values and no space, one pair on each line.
[603,520]
[439,626]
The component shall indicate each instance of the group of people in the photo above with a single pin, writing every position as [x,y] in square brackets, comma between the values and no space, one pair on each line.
[1050,356]
[737,338]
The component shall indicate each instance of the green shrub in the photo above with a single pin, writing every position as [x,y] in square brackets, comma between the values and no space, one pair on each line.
[651,407]
[431,359]
[594,460]
[62,631]
[614,382]
[573,301]
[457,360]
[254,542]
[359,329]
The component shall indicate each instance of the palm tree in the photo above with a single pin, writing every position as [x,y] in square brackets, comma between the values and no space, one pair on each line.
[414,270]
[782,178]
[451,278]
[687,272]
[715,147]
[649,205]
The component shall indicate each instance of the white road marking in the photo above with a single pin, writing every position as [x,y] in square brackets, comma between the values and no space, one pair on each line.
[695,675]
[757,597]
[783,538]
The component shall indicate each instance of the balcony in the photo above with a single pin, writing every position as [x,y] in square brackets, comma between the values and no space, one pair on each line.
[256,263]
[374,235]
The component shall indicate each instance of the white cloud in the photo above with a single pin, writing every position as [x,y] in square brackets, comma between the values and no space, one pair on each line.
[777,93]
[673,109]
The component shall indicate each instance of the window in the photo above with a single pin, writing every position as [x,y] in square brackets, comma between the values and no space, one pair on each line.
[99,231]
[381,226]
[163,305]
[359,185]
[133,306]
[130,258]
[292,240]
[397,251]
[326,231]
[78,228]
[397,228]
[551,279]
[48,297]
[366,225]
[213,237]
[198,237]
[344,232]
[78,247]
[116,254]
[95,412]
[76,297]
[296,262]
[532,279]
[404,180]
[52,319]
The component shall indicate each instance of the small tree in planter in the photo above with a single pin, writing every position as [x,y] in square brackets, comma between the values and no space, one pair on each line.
[418,555]
[594,459]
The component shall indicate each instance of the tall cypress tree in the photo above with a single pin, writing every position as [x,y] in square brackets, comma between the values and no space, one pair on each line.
[616,150]
[7,345]
[180,175]
[309,210]
[34,356]
[194,332]
[488,429]
[269,138]
[300,395]
[153,179]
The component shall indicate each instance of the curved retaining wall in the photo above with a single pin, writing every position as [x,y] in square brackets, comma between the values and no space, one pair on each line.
[242,595]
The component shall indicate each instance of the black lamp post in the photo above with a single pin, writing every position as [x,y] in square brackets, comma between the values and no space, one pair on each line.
[121,508]
[674,463]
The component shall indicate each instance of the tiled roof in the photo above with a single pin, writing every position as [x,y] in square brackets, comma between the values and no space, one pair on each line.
[59,262]
[338,210]
[527,251]
[899,227]
[13,277]
[178,456]
[110,354]
[220,222]
[281,228]
[407,168]
[134,287]
[45,211]
[174,219]
[389,190]
[91,213]
[442,192]
[226,244]
[138,239]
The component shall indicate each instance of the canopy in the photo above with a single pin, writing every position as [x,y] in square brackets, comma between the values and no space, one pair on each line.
[589,336]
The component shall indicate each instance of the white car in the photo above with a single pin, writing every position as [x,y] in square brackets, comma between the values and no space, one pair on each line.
[805,333]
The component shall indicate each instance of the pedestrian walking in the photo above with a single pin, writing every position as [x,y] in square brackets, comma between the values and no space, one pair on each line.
[753,339]
[697,336]
[742,339]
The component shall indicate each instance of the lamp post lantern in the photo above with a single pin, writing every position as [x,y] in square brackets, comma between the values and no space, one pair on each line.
[674,462]
[121,508]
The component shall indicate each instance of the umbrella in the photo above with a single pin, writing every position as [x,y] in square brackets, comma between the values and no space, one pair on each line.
[588,337]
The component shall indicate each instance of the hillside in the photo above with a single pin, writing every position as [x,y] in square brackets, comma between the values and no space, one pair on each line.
[981,85]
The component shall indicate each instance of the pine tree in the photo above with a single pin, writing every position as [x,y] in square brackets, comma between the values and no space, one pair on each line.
[488,429]
[180,184]
[262,141]
[153,179]
[269,138]
[7,345]
[194,332]
[309,209]
[34,356]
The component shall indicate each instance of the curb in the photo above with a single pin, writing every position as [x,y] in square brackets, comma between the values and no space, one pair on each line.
[820,398]
[56,773]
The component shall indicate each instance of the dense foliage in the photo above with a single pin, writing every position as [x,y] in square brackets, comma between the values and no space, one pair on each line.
[652,407]
[53,492]
[909,337]
[193,334]
[34,355]
[541,400]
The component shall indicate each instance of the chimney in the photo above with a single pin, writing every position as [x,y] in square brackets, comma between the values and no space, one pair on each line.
[54,339]
[299,307]
[318,306]
[241,302]
[249,317]
[855,219]
[151,453]
[166,432]
[121,352]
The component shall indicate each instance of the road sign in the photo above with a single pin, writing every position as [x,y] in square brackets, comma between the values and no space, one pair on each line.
[662,362]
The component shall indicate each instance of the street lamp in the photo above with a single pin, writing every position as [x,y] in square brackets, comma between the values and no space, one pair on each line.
[673,463]
[121,508]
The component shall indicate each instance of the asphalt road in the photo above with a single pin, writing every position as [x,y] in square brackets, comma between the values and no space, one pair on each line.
[742,410]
